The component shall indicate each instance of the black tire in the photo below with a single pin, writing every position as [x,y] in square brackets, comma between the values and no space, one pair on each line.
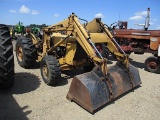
[152,64]
[25,52]
[104,50]
[6,58]
[89,67]
[50,70]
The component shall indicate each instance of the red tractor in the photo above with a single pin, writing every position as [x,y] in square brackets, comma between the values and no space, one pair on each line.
[140,42]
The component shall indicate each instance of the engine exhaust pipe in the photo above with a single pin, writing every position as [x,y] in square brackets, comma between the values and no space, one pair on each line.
[147,20]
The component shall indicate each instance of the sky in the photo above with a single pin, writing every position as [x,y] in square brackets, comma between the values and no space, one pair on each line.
[53,11]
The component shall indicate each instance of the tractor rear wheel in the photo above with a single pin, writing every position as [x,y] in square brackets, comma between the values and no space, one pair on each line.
[152,64]
[50,70]
[25,52]
[6,58]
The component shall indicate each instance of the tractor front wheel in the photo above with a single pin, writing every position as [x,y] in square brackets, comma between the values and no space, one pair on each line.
[50,70]
[152,64]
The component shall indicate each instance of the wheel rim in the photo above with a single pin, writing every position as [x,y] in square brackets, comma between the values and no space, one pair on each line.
[152,65]
[45,71]
[20,54]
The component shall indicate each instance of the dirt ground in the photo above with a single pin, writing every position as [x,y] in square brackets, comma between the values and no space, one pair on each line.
[30,98]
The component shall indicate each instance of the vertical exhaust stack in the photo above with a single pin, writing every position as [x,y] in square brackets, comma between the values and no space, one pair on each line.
[147,20]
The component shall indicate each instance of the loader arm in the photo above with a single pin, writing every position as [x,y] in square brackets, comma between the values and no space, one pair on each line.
[72,27]
[114,47]
[97,26]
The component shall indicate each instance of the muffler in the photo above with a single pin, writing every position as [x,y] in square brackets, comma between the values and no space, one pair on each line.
[92,90]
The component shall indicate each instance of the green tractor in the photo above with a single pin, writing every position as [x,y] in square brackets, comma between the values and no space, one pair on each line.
[18,30]
[35,30]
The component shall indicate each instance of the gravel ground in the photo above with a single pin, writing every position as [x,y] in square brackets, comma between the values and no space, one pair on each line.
[31,99]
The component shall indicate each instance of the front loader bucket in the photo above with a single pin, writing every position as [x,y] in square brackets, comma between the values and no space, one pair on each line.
[91,91]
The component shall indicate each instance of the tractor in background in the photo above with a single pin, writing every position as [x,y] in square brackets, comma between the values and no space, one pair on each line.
[32,28]
[140,41]
[18,30]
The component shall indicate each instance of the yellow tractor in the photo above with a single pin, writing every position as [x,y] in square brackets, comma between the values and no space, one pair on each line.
[69,45]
